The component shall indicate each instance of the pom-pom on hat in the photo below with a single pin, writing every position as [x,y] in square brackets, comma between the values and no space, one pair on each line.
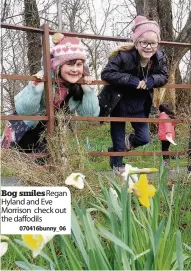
[66,49]
[142,25]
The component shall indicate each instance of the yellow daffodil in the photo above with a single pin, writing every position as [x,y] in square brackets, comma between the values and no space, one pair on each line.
[3,245]
[131,176]
[36,242]
[143,190]
[76,180]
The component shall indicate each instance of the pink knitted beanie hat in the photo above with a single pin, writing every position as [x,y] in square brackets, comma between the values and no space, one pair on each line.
[142,25]
[66,49]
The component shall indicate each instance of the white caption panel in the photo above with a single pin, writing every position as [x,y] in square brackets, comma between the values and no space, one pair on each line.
[43,210]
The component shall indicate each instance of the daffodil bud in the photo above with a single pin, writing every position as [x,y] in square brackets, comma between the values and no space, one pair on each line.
[76,180]
[142,170]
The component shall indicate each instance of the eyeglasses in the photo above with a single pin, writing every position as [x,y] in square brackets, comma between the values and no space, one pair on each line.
[144,44]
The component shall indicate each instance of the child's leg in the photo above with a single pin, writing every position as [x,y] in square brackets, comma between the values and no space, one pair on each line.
[118,139]
[141,134]
[165,147]
[31,142]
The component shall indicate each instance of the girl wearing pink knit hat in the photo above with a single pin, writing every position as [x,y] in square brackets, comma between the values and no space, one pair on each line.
[132,72]
[68,62]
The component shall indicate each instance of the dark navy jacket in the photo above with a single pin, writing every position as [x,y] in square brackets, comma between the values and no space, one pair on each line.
[119,73]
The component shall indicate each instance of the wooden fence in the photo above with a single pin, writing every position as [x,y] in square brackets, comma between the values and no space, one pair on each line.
[49,117]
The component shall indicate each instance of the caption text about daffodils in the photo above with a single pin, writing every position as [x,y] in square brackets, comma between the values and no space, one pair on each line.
[43,210]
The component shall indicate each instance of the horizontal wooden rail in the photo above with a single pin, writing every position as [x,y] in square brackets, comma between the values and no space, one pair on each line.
[21,77]
[120,119]
[144,153]
[101,82]
[16,117]
[188,86]
[86,36]
[94,82]
[105,119]
[22,28]
[105,154]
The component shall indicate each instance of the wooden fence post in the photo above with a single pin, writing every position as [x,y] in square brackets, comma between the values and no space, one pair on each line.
[48,79]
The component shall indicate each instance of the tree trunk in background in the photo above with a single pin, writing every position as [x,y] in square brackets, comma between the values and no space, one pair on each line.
[183,96]
[161,11]
[139,7]
[34,39]
[59,12]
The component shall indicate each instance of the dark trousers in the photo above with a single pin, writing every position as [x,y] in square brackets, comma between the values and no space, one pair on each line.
[32,142]
[165,147]
[139,138]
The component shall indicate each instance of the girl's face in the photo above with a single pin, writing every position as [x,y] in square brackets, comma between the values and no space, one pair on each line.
[147,45]
[72,71]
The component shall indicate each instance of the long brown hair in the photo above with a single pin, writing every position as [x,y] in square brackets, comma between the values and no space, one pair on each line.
[166,108]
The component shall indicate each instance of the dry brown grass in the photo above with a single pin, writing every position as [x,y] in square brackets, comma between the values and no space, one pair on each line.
[25,168]
[65,157]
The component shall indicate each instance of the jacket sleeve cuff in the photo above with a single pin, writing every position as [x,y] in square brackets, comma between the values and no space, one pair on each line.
[150,82]
[37,86]
[88,88]
[133,81]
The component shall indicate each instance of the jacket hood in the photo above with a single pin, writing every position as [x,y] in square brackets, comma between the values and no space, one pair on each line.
[131,49]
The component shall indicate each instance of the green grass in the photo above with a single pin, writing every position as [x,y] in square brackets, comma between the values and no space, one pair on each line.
[99,139]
